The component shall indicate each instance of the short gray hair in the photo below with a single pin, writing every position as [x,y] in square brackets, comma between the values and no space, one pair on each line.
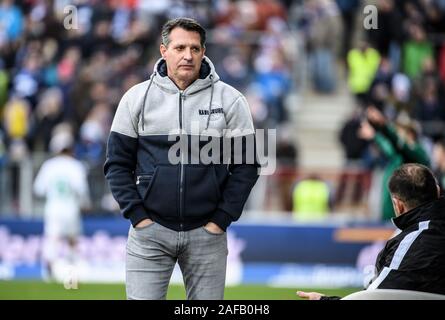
[186,24]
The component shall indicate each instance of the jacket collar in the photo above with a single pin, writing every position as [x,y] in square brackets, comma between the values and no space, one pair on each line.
[434,210]
[207,74]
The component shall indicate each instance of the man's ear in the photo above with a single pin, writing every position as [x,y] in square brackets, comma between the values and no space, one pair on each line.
[399,207]
[162,50]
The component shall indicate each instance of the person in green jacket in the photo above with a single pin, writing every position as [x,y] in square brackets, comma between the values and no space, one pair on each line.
[399,144]
[416,51]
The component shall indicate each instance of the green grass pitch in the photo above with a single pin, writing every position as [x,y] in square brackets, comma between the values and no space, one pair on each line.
[30,290]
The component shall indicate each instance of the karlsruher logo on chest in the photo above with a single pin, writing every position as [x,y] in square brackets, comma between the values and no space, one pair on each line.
[205,112]
[215,114]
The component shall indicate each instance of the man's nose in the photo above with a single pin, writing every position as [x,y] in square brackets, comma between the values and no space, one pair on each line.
[188,54]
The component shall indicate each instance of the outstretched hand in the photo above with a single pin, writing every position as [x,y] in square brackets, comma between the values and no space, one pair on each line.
[309,295]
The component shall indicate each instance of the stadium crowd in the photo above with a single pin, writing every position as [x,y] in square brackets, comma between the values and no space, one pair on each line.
[65,70]
[397,74]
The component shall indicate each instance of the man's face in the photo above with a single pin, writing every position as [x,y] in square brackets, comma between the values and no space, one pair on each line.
[183,55]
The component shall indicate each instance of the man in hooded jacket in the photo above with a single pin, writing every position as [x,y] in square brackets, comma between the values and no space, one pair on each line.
[181,164]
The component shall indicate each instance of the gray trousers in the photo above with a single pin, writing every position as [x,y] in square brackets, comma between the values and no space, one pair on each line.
[153,251]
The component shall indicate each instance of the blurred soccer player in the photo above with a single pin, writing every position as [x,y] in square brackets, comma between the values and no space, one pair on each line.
[62,180]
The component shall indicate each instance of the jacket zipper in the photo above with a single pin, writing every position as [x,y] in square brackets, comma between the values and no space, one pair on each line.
[181,170]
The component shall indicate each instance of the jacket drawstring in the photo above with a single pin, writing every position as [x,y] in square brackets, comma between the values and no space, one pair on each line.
[210,104]
[145,98]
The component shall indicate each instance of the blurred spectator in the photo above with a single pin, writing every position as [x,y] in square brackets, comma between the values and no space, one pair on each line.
[16,118]
[286,152]
[401,92]
[265,10]
[11,22]
[273,83]
[50,48]
[379,93]
[91,146]
[348,10]
[234,70]
[384,74]
[416,50]
[287,162]
[438,160]
[67,67]
[48,114]
[4,83]
[430,107]
[400,144]
[323,29]
[100,39]
[388,37]
[311,199]
[428,100]
[442,63]
[16,124]
[257,106]
[28,81]
[363,63]
[2,162]
[354,173]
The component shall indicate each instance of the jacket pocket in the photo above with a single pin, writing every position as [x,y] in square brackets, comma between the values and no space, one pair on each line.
[161,195]
[143,183]
[201,191]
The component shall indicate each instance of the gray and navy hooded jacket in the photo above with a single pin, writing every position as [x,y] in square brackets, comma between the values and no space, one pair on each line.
[158,132]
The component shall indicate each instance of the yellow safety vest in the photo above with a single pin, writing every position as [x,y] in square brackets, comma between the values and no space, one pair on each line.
[362,69]
[310,200]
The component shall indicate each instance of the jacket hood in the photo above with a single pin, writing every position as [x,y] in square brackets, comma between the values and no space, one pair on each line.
[434,210]
[207,77]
